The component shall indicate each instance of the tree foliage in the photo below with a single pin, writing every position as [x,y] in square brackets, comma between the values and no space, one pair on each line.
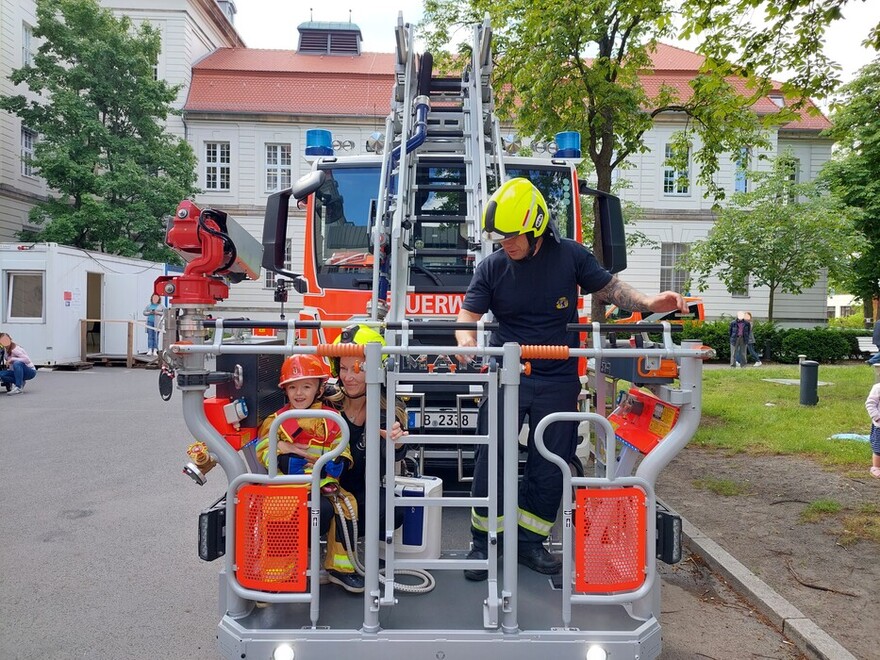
[854,173]
[561,65]
[102,143]
[757,39]
[781,236]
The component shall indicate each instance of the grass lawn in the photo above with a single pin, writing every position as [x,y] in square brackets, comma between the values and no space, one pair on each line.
[742,412]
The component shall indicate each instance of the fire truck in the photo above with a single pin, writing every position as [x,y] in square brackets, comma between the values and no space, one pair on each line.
[392,240]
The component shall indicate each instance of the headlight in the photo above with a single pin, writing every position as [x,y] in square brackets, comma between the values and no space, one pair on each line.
[283,652]
[596,653]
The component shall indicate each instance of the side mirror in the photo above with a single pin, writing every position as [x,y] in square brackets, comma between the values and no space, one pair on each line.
[308,184]
[275,225]
[611,227]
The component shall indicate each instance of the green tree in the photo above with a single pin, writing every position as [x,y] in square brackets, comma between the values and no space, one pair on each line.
[102,144]
[781,236]
[854,174]
[771,36]
[561,64]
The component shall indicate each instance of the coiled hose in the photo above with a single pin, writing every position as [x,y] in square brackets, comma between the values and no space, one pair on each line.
[426,580]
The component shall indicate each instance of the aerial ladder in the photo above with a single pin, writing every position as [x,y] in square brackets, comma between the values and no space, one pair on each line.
[605,603]
[434,120]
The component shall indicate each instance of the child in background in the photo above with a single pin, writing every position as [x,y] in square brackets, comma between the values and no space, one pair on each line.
[872,404]
[301,442]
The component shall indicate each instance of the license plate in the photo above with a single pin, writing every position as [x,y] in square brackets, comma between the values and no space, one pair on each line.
[440,418]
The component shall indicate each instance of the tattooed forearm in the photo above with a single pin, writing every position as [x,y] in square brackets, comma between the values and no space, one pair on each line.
[623,295]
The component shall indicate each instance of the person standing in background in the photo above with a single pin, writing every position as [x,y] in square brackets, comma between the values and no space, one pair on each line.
[154,312]
[750,343]
[872,405]
[739,338]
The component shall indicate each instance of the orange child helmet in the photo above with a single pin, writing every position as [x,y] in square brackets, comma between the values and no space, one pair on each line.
[300,367]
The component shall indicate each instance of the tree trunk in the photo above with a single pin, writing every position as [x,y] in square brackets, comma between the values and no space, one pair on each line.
[770,303]
[603,177]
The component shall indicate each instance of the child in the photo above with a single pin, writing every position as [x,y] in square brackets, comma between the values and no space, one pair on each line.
[301,442]
[873,406]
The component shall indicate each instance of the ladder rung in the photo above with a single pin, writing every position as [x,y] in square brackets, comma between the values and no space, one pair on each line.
[440,252]
[446,219]
[434,187]
[446,84]
[435,132]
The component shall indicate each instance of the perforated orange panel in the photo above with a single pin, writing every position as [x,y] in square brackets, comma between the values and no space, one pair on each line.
[609,542]
[271,537]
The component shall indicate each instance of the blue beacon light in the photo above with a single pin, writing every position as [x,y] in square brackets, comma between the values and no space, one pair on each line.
[319,142]
[568,144]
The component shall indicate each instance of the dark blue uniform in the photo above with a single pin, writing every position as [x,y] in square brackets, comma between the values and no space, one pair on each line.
[533,301]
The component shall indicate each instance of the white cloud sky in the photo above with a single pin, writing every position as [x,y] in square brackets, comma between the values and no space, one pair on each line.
[273,23]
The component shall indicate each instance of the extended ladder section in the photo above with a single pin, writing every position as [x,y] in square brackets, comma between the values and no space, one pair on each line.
[442,143]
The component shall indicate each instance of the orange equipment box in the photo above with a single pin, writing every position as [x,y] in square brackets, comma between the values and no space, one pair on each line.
[641,420]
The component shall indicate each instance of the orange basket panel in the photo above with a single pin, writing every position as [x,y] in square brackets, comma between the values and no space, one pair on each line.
[610,529]
[271,537]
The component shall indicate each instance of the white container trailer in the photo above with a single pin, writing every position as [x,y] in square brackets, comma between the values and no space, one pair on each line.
[48,289]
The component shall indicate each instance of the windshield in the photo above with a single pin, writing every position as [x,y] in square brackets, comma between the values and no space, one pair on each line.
[439,259]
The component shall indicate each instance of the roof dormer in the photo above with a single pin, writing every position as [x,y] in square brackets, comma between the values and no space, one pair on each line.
[316,38]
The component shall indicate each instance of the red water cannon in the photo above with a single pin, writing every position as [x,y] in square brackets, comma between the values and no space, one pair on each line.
[217,251]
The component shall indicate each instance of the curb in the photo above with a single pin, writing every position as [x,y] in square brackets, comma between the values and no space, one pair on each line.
[812,641]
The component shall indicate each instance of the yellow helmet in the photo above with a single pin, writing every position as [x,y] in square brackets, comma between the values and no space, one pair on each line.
[517,207]
[354,334]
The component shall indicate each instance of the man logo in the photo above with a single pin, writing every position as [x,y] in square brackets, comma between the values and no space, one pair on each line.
[562,303]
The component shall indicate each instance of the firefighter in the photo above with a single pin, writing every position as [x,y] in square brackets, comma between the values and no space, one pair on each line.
[531,285]
[301,442]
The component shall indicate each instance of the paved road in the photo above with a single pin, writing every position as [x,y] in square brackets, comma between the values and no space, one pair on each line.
[98,526]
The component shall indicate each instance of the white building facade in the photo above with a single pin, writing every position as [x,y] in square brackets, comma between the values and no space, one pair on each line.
[246,113]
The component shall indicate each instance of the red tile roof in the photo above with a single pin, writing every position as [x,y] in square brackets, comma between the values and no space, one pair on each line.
[250,80]
[675,67]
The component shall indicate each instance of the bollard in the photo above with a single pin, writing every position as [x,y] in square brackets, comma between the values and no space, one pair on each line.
[809,383]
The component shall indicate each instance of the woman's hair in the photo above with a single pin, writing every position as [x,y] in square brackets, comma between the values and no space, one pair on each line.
[334,396]
[157,296]
[12,344]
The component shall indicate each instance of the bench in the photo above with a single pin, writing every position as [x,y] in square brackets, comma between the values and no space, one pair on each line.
[866,345]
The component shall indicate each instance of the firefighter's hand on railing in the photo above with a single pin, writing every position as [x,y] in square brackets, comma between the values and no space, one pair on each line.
[465,339]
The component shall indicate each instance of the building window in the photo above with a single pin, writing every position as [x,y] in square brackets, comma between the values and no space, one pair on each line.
[24,295]
[270,276]
[829,312]
[793,168]
[741,293]
[28,141]
[671,278]
[741,177]
[846,310]
[27,40]
[675,182]
[217,166]
[278,167]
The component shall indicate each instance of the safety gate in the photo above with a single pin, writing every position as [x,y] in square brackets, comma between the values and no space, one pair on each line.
[271,538]
[609,541]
